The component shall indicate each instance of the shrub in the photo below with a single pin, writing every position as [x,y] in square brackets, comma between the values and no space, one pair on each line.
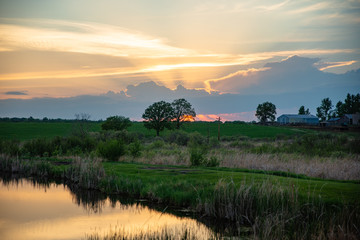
[10,147]
[213,162]
[38,147]
[198,155]
[135,149]
[196,139]
[158,143]
[117,123]
[111,150]
[179,137]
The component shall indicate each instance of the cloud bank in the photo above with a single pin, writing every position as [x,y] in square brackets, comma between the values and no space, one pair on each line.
[288,84]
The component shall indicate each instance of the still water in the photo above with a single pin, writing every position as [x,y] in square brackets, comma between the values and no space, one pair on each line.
[30,210]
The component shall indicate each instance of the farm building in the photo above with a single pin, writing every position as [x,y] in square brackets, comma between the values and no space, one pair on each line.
[298,119]
[347,119]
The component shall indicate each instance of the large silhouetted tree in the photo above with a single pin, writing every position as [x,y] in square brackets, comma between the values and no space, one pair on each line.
[266,111]
[324,111]
[183,111]
[158,116]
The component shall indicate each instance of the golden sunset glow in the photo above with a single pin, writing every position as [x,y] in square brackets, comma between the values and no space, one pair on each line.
[48,51]
[28,206]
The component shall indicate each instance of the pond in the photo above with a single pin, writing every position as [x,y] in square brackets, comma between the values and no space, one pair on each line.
[33,210]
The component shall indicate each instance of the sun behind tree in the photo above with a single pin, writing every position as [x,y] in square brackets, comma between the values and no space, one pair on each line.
[183,111]
[158,116]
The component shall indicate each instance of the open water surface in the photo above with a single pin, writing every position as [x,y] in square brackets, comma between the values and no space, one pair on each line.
[33,210]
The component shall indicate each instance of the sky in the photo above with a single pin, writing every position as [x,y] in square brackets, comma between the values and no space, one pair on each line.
[226,56]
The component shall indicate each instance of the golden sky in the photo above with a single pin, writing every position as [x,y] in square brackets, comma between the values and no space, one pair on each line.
[69,48]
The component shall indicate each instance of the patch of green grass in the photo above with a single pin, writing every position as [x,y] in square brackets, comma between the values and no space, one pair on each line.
[200,179]
[32,130]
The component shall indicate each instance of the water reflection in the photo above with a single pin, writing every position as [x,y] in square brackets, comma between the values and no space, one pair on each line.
[38,210]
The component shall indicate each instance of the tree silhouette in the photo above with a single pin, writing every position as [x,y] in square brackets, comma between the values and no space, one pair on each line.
[324,111]
[351,105]
[266,111]
[158,116]
[183,111]
[302,111]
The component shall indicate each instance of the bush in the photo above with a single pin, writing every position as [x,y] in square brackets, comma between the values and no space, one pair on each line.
[157,144]
[196,139]
[213,162]
[38,147]
[111,150]
[9,147]
[135,149]
[116,123]
[179,137]
[197,157]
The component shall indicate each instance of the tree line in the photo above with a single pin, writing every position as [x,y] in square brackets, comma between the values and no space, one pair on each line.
[266,111]
[351,105]
[157,116]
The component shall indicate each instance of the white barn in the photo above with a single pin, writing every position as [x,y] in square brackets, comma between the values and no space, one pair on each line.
[298,119]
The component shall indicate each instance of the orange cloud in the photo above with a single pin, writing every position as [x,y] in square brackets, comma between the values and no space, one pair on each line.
[241,116]
[335,64]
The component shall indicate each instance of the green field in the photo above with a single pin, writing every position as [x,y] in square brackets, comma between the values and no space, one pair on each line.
[246,194]
[206,178]
[31,130]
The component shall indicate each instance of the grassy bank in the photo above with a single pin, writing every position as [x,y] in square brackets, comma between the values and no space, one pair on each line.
[274,206]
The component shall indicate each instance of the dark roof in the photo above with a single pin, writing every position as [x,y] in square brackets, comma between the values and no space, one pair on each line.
[333,119]
[299,116]
[349,116]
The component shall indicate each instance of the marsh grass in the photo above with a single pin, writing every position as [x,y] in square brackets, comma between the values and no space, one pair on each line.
[86,173]
[181,232]
[277,212]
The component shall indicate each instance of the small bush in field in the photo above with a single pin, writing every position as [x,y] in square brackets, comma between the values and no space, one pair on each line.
[38,147]
[10,147]
[179,137]
[213,162]
[157,144]
[196,139]
[111,150]
[135,149]
[197,157]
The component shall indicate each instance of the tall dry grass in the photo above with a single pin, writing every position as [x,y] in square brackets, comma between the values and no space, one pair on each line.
[347,168]
[275,211]
[339,168]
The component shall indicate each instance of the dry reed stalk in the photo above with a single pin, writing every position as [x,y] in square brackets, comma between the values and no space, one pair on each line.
[329,168]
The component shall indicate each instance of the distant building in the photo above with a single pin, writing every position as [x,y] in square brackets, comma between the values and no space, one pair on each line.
[347,119]
[298,119]
[356,119]
[334,121]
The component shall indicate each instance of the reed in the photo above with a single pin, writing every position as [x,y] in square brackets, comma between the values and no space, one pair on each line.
[86,173]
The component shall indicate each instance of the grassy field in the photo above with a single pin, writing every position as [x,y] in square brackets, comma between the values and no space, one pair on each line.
[204,179]
[32,130]
[293,186]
